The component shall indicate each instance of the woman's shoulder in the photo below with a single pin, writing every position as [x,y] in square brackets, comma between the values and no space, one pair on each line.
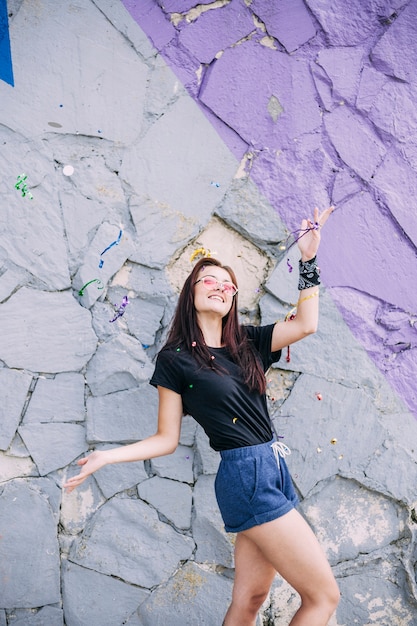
[253,331]
[174,353]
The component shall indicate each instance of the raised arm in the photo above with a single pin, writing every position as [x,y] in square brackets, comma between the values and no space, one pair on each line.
[163,442]
[306,321]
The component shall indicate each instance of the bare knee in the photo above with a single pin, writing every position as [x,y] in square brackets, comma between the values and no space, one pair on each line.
[256,599]
[248,604]
[334,597]
[326,597]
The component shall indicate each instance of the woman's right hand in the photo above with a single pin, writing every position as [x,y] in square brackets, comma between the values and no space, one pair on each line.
[89,464]
[163,442]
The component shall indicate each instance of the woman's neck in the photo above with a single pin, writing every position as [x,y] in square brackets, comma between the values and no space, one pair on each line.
[212,331]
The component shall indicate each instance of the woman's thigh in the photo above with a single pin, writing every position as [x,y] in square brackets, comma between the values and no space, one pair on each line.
[291,548]
[253,571]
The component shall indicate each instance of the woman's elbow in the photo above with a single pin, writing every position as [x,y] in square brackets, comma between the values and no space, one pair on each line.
[309,329]
[168,443]
[171,447]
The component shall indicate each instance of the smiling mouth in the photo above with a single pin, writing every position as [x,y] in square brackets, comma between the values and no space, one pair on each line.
[216,297]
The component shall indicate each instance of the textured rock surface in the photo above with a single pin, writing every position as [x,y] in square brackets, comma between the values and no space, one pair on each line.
[217,125]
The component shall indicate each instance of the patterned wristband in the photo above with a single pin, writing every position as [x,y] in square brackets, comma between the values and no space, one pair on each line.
[309,274]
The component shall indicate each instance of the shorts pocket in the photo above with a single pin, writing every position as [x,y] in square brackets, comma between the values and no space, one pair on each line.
[249,476]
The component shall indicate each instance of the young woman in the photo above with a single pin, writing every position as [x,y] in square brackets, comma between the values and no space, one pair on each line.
[213,369]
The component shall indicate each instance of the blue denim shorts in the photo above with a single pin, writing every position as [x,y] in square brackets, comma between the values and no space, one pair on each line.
[253,486]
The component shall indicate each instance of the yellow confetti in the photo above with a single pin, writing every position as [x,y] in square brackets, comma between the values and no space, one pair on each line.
[200,252]
[234,420]
[333,441]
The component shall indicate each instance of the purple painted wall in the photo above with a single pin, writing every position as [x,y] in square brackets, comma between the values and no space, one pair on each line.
[322,96]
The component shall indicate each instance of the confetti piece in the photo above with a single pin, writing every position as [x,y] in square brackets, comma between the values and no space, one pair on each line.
[22,186]
[191,386]
[213,184]
[234,420]
[114,243]
[20,180]
[178,349]
[333,441]
[194,343]
[290,267]
[95,280]
[120,310]
[319,450]
[68,170]
[203,252]
[319,396]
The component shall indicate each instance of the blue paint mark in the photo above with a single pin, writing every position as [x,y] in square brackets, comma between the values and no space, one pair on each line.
[6,69]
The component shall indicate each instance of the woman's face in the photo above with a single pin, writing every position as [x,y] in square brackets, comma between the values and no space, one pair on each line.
[213,291]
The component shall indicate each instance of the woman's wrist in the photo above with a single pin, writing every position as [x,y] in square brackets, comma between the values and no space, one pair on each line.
[309,274]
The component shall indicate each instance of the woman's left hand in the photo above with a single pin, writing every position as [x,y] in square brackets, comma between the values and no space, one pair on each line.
[309,242]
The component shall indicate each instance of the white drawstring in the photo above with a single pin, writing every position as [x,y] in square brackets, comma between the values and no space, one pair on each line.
[280,450]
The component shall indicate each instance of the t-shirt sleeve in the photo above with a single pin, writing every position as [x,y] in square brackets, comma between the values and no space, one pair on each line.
[167,372]
[261,337]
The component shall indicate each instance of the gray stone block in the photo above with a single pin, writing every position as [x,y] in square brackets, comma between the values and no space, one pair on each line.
[118,477]
[123,416]
[120,363]
[14,387]
[77,507]
[207,459]
[46,616]
[93,598]
[36,341]
[335,439]
[350,520]
[29,567]
[144,320]
[248,212]
[174,153]
[59,399]
[178,465]
[54,445]
[113,259]
[11,280]
[192,596]
[169,497]
[123,539]
[154,246]
[381,596]
[188,430]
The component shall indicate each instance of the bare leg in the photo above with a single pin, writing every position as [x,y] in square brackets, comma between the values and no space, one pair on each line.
[253,578]
[290,546]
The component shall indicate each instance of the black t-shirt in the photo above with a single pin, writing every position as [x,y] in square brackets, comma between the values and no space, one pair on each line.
[231,415]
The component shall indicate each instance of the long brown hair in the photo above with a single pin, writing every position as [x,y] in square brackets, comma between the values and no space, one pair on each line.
[185,331]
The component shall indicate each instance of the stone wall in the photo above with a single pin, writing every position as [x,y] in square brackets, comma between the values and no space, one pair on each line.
[162,128]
